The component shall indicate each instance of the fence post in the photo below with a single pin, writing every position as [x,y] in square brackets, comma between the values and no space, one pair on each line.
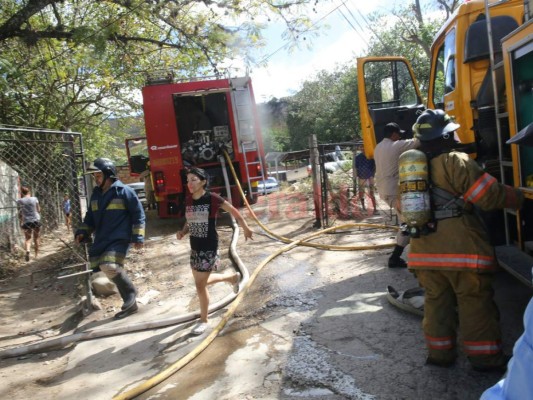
[314,158]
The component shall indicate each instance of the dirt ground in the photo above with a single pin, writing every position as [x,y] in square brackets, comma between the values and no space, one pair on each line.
[37,304]
[277,338]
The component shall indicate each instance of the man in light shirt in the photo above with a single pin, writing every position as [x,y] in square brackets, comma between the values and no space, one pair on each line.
[386,155]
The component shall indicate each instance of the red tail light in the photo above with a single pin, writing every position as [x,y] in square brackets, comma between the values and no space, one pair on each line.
[159,180]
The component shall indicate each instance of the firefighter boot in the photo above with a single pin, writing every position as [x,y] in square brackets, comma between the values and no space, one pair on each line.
[128,293]
[395,261]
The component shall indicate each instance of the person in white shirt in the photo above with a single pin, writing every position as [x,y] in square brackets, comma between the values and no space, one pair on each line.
[386,156]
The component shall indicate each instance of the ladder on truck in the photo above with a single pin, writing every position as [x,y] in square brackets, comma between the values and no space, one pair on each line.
[510,256]
[247,147]
[248,141]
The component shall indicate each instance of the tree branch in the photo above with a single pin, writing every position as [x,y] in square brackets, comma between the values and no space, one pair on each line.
[22,16]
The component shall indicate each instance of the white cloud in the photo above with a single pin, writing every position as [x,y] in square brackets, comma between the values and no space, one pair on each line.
[285,73]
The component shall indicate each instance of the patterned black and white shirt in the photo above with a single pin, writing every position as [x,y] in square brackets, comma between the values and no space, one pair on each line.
[201,216]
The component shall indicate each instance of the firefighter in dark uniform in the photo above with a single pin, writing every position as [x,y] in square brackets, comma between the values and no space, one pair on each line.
[115,218]
[455,263]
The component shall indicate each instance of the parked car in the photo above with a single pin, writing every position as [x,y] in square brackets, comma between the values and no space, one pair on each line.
[336,161]
[268,185]
[138,187]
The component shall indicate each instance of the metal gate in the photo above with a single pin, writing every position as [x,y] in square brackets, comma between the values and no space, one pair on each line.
[49,163]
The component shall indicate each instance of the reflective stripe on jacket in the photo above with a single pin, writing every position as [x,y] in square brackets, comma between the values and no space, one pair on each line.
[462,243]
[116,218]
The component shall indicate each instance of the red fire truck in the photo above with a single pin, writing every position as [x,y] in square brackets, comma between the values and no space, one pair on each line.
[190,124]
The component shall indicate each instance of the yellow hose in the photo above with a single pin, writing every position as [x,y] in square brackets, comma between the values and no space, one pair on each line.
[305,243]
[172,369]
[160,377]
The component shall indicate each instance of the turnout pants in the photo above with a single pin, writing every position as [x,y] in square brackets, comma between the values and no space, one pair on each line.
[461,298]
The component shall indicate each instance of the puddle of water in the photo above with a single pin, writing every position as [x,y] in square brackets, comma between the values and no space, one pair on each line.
[245,363]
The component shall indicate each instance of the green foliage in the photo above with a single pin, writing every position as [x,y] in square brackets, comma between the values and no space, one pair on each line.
[76,64]
[278,139]
[409,32]
[326,107]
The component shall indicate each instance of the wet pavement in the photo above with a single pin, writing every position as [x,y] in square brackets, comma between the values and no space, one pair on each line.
[315,325]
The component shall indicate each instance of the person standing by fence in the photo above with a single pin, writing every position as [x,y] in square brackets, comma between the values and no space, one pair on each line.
[30,220]
[66,210]
[365,169]
[386,155]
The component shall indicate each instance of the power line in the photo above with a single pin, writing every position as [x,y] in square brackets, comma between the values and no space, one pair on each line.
[353,27]
[369,27]
[355,19]
[303,32]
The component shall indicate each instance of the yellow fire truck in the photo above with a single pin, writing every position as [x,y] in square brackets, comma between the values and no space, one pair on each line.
[482,75]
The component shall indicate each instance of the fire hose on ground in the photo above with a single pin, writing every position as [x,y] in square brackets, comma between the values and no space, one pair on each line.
[172,369]
[234,299]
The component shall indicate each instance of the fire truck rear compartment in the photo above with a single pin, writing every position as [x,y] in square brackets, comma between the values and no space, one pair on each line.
[204,127]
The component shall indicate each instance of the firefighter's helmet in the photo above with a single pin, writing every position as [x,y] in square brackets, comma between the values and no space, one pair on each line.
[104,165]
[434,124]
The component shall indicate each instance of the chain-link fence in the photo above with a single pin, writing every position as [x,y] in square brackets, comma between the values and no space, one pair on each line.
[337,183]
[49,163]
[347,184]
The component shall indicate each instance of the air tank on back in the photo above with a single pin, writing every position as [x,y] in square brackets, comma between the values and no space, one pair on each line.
[414,190]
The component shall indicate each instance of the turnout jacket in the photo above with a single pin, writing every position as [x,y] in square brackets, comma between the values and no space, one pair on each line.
[462,243]
[116,218]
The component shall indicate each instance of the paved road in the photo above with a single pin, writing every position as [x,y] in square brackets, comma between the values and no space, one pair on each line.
[317,326]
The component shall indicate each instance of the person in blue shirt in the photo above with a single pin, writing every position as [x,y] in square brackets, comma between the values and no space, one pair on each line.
[365,169]
[517,384]
[115,218]
[66,210]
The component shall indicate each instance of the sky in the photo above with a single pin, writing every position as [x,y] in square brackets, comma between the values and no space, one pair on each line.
[340,42]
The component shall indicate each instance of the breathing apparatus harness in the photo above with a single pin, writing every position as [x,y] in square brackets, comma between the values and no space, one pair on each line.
[423,204]
[442,205]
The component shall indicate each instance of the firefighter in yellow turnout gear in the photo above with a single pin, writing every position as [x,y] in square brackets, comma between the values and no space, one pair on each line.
[455,263]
